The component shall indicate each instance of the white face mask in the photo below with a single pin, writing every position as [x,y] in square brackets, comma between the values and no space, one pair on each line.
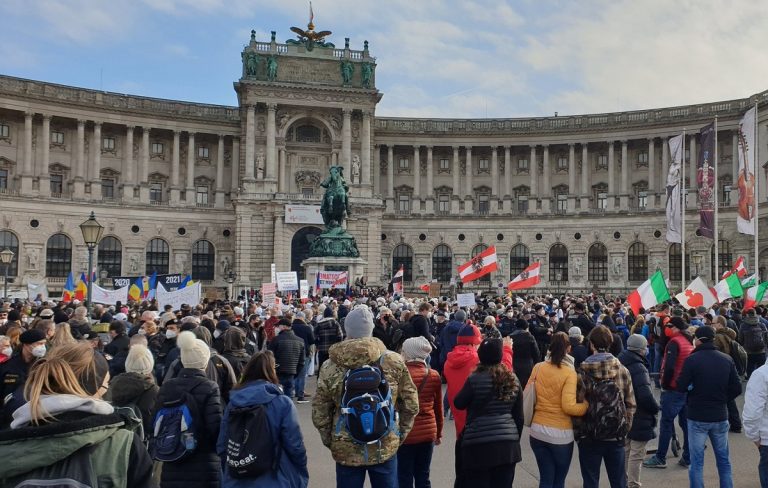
[8,351]
[39,351]
[216,334]
[170,334]
[142,332]
[510,315]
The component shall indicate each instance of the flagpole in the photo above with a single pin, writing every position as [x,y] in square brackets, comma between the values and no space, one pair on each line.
[683,206]
[717,229]
[757,200]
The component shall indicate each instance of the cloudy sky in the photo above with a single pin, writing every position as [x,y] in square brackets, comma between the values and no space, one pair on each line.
[436,58]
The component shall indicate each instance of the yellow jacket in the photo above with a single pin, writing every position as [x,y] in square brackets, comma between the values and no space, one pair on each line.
[556,395]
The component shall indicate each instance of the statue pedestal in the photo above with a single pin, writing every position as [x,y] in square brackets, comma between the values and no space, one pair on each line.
[354,266]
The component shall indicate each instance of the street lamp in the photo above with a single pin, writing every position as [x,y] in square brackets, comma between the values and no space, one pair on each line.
[231,278]
[6,257]
[92,231]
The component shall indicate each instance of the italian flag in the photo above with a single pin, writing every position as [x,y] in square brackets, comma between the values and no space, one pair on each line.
[479,266]
[730,287]
[749,281]
[650,293]
[738,268]
[755,295]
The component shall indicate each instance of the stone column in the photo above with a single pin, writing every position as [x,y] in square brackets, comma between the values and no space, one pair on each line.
[346,141]
[390,171]
[533,169]
[611,176]
[664,167]
[271,154]
[45,178]
[282,180]
[572,189]
[144,166]
[469,192]
[692,161]
[191,170]
[547,190]
[456,191]
[430,190]
[234,184]
[175,168]
[624,198]
[507,204]
[220,172]
[734,166]
[376,171]
[585,167]
[416,174]
[651,172]
[26,173]
[96,166]
[79,183]
[495,172]
[250,150]
[365,150]
[128,165]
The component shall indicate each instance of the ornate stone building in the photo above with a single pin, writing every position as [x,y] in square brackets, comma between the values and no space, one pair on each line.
[202,189]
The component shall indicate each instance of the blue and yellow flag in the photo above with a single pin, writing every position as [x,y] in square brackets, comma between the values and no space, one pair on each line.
[81,288]
[69,288]
[135,291]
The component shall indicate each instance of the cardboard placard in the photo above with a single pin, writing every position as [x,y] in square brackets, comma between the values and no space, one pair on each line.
[466,300]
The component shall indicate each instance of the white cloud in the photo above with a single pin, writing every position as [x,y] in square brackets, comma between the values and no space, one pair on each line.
[83,21]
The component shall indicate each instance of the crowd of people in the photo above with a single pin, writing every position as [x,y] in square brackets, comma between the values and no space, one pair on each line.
[139,395]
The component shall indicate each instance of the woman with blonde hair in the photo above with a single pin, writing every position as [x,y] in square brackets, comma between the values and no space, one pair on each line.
[68,426]
[62,335]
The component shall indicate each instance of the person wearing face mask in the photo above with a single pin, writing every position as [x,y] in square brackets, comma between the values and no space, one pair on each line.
[419,325]
[164,358]
[254,337]
[117,349]
[13,373]
[6,351]
[218,340]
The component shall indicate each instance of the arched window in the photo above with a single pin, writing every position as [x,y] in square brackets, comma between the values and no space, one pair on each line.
[676,264]
[58,256]
[637,262]
[597,263]
[110,256]
[203,260]
[8,240]
[442,263]
[158,257]
[403,256]
[308,133]
[724,259]
[519,259]
[475,251]
[558,263]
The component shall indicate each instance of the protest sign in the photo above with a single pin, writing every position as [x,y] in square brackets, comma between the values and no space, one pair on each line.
[466,299]
[287,280]
[109,297]
[189,295]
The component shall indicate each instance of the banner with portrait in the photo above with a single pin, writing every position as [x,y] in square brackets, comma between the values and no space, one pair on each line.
[705,180]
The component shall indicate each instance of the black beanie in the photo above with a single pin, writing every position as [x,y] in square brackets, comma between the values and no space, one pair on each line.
[491,351]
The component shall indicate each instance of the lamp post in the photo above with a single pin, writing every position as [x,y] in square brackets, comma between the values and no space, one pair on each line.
[231,278]
[92,231]
[6,257]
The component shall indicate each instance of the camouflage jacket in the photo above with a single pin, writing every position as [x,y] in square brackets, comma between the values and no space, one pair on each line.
[346,355]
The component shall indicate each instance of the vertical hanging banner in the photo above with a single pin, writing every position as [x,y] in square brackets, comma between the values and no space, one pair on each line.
[705,178]
[745,219]
[674,199]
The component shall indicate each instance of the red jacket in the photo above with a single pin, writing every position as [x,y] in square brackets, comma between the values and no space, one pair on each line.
[678,349]
[269,327]
[428,426]
[458,366]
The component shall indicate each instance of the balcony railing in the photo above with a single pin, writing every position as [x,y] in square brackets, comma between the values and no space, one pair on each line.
[403,212]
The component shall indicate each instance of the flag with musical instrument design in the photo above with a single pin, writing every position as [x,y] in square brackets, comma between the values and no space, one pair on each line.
[674,200]
[745,182]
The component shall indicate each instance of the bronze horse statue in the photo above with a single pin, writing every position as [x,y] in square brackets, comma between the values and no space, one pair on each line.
[335,204]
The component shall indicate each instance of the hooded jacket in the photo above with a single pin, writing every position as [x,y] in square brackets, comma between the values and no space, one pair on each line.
[458,366]
[605,366]
[134,388]
[326,408]
[284,426]
[644,421]
[755,415]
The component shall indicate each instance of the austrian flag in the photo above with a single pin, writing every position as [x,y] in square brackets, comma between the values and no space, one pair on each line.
[478,266]
[529,278]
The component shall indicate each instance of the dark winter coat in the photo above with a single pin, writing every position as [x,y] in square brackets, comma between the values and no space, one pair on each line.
[327,333]
[78,327]
[644,421]
[579,351]
[305,333]
[447,340]
[711,381]
[526,354]
[118,349]
[289,353]
[134,388]
[203,468]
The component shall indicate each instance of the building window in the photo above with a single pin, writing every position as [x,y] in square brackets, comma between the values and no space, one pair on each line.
[483,203]
[108,143]
[110,256]
[475,251]
[562,203]
[676,263]
[157,148]
[202,152]
[443,203]
[522,165]
[442,263]
[308,133]
[203,260]
[58,256]
[108,188]
[602,162]
[483,165]
[201,195]
[3,179]
[602,200]
[558,263]
[57,137]
[403,256]
[562,163]
[308,191]
[637,262]
[57,184]
[724,259]
[521,195]
[519,259]
[727,194]
[642,159]
[404,203]
[158,256]
[597,263]
[445,164]
[8,240]
[5,131]
[642,199]
[156,192]
[404,164]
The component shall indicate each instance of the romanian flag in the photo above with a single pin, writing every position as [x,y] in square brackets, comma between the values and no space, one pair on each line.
[81,288]
[150,294]
[136,289]
[69,289]
[185,282]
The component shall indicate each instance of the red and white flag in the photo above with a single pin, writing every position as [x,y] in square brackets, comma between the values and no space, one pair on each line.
[479,266]
[341,279]
[424,288]
[529,278]
[696,294]
[397,281]
[738,268]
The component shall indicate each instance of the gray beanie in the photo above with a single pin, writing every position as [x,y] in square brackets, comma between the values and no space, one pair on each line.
[139,360]
[359,322]
[637,343]
[460,315]
[416,349]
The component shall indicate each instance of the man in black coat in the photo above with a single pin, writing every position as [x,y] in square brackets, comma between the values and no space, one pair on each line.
[305,333]
[581,320]
[117,349]
[526,352]
[289,356]
[644,421]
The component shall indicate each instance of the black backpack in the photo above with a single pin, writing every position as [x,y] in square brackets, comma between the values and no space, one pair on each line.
[754,339]
[251,451]
[606,417]
[739,356]
[174,435]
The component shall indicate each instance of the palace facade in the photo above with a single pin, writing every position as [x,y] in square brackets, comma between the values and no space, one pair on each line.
[202,189]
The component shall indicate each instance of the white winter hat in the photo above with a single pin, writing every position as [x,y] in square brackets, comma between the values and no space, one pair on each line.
[195,353]
[139,360]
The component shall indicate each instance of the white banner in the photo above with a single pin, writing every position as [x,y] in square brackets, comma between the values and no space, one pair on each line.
[109,297]
[674,203]
[745,181]
[466,300]
[189,295]
[287,280]
[303,214]
[272,273]
[268,291]
[332,279]
[37,288]
[303,289]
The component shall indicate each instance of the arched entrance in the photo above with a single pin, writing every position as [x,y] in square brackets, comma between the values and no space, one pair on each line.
[300,247]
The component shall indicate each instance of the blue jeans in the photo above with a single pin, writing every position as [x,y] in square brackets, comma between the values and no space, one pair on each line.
[553,461]
[658,355]
[301,378]
[287,382]
[762,467]
[591,456]
[672,405]
[382,475]
[717,432]
[413,461]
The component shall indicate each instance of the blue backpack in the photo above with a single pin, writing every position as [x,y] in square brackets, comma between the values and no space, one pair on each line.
[173,430]
[367,411]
